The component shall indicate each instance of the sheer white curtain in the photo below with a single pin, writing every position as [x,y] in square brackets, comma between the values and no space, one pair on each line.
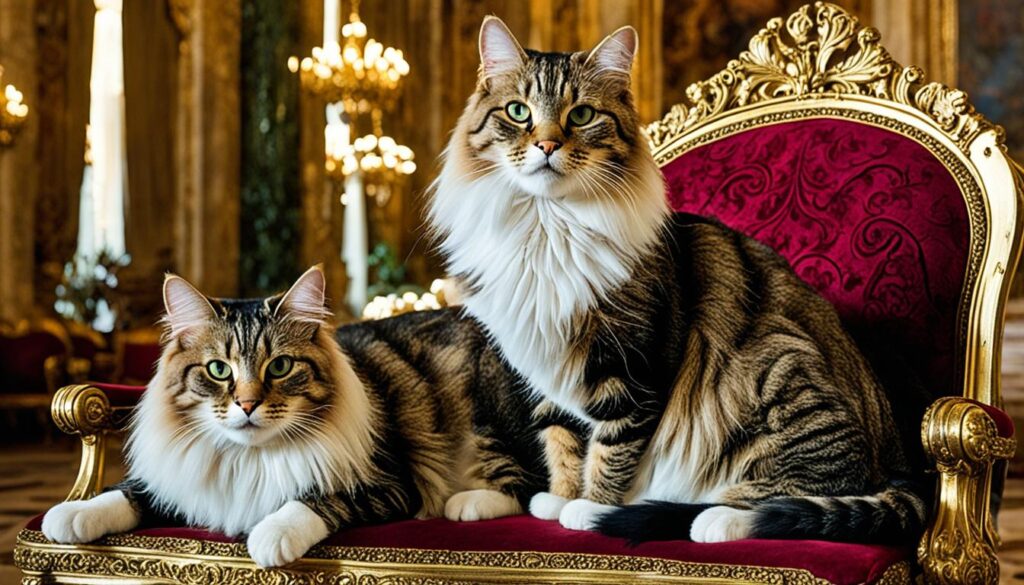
[105,180]
[105,183]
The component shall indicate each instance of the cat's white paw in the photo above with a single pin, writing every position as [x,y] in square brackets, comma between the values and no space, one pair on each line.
[85,521]
[285,535]
[722,524]
[472,505]
[582,514]
[547,506]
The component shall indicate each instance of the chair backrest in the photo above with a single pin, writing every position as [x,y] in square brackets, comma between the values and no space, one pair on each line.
[891,196]
[136,352]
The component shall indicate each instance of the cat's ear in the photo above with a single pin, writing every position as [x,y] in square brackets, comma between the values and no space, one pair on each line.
[306,300]
[186,307]
[615,53]
[500,52]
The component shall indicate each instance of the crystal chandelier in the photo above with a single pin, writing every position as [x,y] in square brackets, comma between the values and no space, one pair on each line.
[385,165]
[365,77]
[12,113]
[361,73]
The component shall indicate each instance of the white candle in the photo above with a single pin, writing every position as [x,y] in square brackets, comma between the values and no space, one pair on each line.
[332,22]
[355,248]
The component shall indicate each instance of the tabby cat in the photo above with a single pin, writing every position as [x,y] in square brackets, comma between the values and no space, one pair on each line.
[258,422]
[684,368]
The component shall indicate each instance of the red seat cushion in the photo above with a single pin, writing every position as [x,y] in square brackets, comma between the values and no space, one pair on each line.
[868,217]
[836,562]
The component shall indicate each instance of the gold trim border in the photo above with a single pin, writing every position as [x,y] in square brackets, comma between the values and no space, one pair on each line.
[150,559]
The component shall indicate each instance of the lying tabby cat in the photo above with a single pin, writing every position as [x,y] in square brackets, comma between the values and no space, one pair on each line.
[257,422]
[683,366]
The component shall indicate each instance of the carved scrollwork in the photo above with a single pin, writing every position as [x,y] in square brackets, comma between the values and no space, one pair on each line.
[955,557]
[820,50]
[163,559]
[81,410]
[962,437]
[964,442]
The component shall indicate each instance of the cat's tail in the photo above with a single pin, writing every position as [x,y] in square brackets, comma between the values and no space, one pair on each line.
[895,515]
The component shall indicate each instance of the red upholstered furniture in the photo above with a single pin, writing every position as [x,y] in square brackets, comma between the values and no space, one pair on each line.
[888,195]
[136,352]
[34,357]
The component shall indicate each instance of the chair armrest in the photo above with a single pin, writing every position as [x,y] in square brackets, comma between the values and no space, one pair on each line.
[91,411]
[963,438]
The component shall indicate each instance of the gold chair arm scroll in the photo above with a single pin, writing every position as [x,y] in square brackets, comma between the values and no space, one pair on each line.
[960,544]
[85,410]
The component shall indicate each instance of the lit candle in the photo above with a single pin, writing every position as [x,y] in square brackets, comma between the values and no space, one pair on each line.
[332,18]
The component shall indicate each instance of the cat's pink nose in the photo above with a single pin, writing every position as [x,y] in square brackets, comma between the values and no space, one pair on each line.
[548,146]
[248,406]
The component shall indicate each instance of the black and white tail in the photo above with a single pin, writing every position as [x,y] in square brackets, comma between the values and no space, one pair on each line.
[896,515]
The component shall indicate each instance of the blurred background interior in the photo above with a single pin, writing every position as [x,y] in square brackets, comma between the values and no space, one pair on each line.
[237,142]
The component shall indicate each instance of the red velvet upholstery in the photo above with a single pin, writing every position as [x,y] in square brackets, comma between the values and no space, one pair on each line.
[838,563]
[1004,422]
[867,217]
[139,361]
[22,358]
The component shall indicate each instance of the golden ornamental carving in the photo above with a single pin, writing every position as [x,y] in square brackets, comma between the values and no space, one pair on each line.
[963,440]
[897,574]
[81,409]
[820,50]
[163,559]
[961,437]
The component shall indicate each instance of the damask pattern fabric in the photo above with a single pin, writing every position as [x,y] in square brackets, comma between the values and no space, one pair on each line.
[866,216]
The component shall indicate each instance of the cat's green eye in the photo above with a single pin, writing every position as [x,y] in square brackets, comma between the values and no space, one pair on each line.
[581,115]
[518,111]
[280,366]
[218,370]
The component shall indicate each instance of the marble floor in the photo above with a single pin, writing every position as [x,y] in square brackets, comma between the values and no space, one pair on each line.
[33,477]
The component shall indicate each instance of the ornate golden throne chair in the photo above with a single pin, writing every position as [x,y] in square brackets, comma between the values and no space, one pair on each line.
[889,195]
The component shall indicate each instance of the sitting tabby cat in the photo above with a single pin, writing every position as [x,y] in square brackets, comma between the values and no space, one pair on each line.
[257,422]
[683,366]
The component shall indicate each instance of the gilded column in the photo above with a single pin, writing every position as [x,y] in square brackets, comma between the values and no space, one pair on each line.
[207,234]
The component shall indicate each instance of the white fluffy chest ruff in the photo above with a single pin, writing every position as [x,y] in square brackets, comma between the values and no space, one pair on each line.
[229,488]
[534,264]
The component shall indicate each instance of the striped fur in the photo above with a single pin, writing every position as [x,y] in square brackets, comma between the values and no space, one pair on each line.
[376,421]
[677,360]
